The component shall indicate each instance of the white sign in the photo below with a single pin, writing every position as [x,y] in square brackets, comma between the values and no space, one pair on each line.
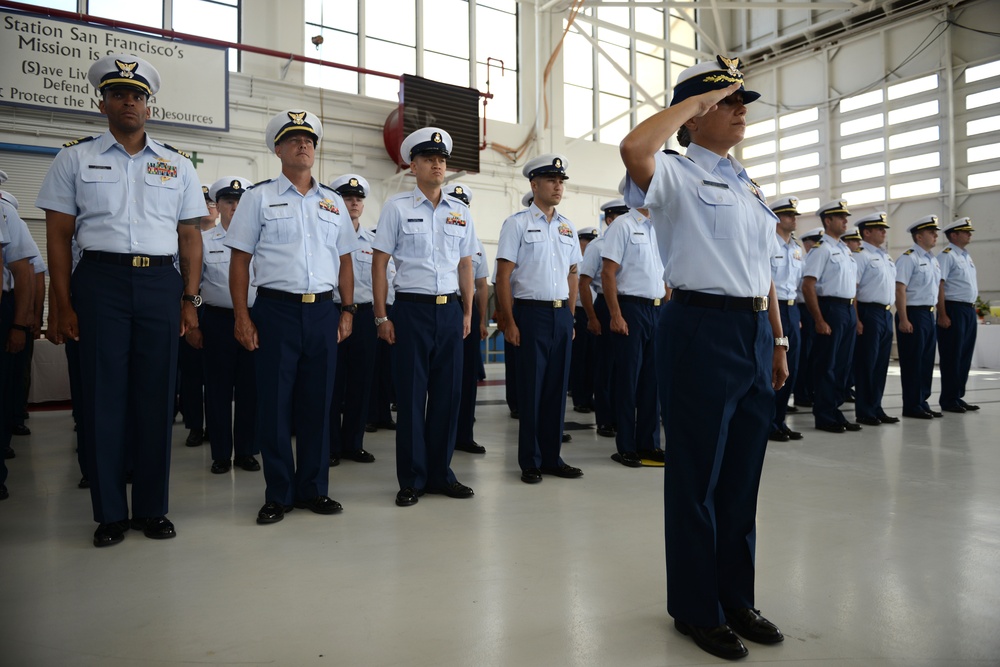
[44,64]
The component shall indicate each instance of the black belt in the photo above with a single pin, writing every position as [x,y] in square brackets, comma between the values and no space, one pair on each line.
[535,303]
[720,301]
[960,303]
[436,299]
[641,300]
[361,306]
[269,293]
[786,302]
[872,304]
[837,299]
[135,261]
[928,308]
[209,308]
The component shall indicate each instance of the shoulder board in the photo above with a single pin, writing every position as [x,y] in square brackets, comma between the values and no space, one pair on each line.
[177,150]
[909,252]
[327,187]
[81,140]
[401,195]
[756,184]
[948,249]
[670,151]
[262,182]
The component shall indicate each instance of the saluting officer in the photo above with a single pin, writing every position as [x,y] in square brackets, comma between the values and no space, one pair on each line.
[956,316]
[583,364]
[805,388]
[132,203]
[718,361]
[829,284]
[918,283]
[786,272]
[430,236]
[537,257]
[299,236]
[876,295]
[472,355]
[356,355]
[228,366]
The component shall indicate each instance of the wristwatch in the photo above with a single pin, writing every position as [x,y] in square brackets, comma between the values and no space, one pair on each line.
[379,321]
[351,308]
[781,342]
[193,298]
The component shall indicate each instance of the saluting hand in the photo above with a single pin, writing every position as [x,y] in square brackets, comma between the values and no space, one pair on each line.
[708,102]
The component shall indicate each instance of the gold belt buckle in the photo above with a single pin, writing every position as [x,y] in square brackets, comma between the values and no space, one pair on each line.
[759,303]
[308,298]
[656,302]
[888,307]
[440,299]
[790,302]
[140,262]
[932,309]
[557,303]
[850,302]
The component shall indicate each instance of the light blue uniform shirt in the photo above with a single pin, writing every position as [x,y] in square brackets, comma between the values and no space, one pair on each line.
[592,262]
[631,242]
[542,252]
[296,240]
[425,241]
[123,203]
[715,231]
[919,270]
[18,243]
[480,268]
[876,275]
[835,271]
[959,274]
[216,256]
[786,269]
[361,260]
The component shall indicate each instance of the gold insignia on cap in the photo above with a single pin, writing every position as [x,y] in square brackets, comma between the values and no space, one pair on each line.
[436,137]
[354,183]
[297,117]
[557,163]
[459,190]
[236,185]
[126,70]
[204,189]
[843,203]
[731,64]
[882,217]
[934,219]
[793,201]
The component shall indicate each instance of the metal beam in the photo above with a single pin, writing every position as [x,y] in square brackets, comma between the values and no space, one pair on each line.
[618,68]
[844,5]
[666,44]
[632,108]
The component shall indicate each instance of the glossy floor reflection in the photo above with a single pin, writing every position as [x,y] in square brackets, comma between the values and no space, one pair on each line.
[876,548]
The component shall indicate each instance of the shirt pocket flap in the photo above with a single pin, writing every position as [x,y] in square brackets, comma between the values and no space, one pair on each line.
[716,196]
[170,183]
[276,212]
[420,227]
[99,174]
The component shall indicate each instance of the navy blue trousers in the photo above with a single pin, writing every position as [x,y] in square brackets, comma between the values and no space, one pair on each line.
[637,411]
[229,377]
[604,406]
[542,378]
[6,378]
[916,358]
[76,398]
[790,327]
[832,358]
[510,375]
[129,322]
[353,386]
[714,373]
[427,370]
[472,361]
[804,387]
[583,364]
[871,360]
[295,367]
[383,395]
[955,346]
[192,384]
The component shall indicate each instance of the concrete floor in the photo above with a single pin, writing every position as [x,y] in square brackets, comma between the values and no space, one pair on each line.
[875,548]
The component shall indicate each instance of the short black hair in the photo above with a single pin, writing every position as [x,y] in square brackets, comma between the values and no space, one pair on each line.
[683,136]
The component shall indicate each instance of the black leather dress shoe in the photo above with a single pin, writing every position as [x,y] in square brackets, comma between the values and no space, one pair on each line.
[9,454]
[371,427]
[248,463]
[531,476]
[831,428]
[651,455]
[455,490]
[628,459]
[514,414]
[886,419]
[4,494]
[108,534]
[968,406]
[582,409]
[918,415]
[869,421]
[569,472]
[792,435]
[804,404]
[605,430]
[320,505]
[749,624]
[195,437]
[791,409]
[334,461]
[360,456]
[851,427]
[155,528]
[84,483]
[20,429]
[471,447]
[566,437]
[778,436]
[958,409]
[272,512]
[407,496]
[720,641]
[221,466]
[387,424]
[936,415]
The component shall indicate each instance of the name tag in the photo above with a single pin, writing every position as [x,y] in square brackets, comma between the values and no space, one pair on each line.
[98,166]
[716,185]
[281,204]
[414,219]
[212,252]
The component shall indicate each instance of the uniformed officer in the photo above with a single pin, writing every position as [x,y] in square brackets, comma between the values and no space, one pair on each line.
[718,361]
[537,257]
[356,355]
[510,351]
[431,237]
[472,354]
[876,295]
[383,396]
[583,364]
[21,371]
[786,272]
[228,366]
[918,282]
[599,323]
[956,316]
[829,284]
[132,203]
[3,244]
[804,387]
[632,278]
[852,237]
[300,237]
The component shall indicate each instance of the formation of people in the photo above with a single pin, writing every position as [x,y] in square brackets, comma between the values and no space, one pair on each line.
[696,299]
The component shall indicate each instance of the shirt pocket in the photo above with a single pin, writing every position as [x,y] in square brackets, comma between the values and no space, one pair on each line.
[278,224]
[454,235]
[99,188]
[416,238]
[216,256]
[163,196]
[533,242]
[330,224]
[721,211]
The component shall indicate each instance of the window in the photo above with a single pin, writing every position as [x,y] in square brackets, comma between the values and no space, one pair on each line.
[984,180]
[863,172]
[799,140]
[858,197]
[907,114]
[798,118]
[216,19]
[915,163]
[809,205]
[985,152]
[915,189]
[769,189]
[985,98]
[790,187]
[913,87]
[983,125]
[757,150]
[862,148]
[144,13]
[863,124]
[980,72]
[914,138]
[861,101]
[757,129]
[761,170]
[799,162]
